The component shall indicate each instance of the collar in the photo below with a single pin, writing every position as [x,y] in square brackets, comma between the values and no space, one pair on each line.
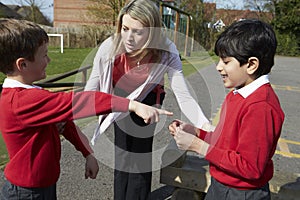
[250,88]
[11,83]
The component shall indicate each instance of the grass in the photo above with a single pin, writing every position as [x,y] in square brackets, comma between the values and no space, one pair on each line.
[67,61]
[3,153]
[75,58]
[197,61]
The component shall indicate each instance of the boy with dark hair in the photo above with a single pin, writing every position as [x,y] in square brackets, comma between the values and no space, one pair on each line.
[241,147]
[29,115]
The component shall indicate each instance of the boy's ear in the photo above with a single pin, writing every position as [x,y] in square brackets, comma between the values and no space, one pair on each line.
[253,64]
[21,64]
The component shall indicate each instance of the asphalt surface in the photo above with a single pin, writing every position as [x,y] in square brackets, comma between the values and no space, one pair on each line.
[209,92]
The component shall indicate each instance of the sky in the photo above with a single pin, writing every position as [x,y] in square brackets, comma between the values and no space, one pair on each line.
[47,9]
[232,4]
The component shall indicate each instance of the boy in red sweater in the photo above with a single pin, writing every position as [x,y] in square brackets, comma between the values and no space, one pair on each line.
[29,115]
[241,147]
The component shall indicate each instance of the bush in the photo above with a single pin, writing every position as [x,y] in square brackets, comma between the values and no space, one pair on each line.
[288,44]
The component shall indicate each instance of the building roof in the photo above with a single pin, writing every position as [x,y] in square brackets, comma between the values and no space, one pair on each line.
[7,12]
[22,12]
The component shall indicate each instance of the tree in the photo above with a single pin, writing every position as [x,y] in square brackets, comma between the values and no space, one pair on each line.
[287,18]
[196,9]
[229,4]
[260,5]
[105,9]
[265,8]
[287,23]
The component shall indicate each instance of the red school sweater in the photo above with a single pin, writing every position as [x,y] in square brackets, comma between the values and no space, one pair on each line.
[245,139]
[27,123]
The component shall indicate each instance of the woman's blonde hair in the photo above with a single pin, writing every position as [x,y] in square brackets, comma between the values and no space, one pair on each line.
[148,14]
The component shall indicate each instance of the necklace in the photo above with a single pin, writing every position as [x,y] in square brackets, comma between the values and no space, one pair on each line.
[138,64]
[139,60]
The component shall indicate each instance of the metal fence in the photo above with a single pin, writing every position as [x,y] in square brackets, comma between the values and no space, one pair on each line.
[62,86]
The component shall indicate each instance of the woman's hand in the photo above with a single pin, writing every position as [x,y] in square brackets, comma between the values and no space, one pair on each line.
[148,113]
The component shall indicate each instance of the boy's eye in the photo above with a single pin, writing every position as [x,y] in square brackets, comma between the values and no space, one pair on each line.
[225,61]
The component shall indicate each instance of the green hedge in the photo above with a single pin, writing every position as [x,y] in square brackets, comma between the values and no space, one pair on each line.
[288,44]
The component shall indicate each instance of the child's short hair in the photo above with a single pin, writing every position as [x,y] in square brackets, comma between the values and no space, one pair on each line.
[19,39]
[249,38]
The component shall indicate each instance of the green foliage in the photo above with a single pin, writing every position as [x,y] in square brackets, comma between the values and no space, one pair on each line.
[287,18]
[287,25]
[2,77]
[3,153]
[196,9]
[287,45]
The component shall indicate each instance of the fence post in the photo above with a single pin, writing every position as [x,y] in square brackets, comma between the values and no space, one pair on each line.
[177,17]
[186,53]
[84,76]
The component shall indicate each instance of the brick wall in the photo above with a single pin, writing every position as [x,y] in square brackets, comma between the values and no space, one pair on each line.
[72,13]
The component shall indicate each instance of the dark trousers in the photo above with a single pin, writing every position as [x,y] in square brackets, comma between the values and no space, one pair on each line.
[133,166]
[13,192]
[133,156]
[218,191]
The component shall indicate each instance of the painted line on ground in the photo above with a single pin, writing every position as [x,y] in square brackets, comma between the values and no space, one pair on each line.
[285,154]
[286,87]
[284,149]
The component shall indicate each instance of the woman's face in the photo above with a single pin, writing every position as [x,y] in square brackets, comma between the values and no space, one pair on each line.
[134,34]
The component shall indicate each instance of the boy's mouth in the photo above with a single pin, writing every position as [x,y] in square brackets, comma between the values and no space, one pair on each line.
[223,76]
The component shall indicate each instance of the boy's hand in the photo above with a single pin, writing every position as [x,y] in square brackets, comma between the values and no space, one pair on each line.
[148,113]
[183,139]
[183,126]
[174,125]
[91,167]
[190,142]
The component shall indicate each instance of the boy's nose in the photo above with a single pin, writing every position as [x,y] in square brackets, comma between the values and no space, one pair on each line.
[219,66]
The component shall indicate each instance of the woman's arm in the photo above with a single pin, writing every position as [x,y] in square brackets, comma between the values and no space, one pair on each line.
[189,107]
[93,82]
[100,77]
